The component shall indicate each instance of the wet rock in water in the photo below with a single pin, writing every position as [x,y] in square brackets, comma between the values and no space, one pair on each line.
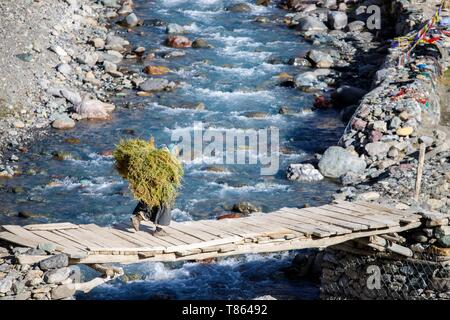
[57,276]
[337,20]
[215,169]
[94,109]
[62,155]
[197,106]
[303,172]
[72,140]
[63,121]
[311,24]
[178,42]
[320,59]
[201,44]
[337,161]
[245,208]
[347,95]
[116,43]
[311,79]
[131,21]
[240,7]
[54,262]
[283,110]
[255,114]
[262,19]
[173,28]
[156,84]
[262,2]
[174,54]
[28,215]
[230,216]
[156,70]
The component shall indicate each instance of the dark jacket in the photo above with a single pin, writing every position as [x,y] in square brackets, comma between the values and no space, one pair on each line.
[160,215]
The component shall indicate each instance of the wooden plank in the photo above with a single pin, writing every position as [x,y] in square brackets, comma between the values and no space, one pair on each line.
[405,215]
[204,244]
[51,226]
[198,234]
[134,238]
[306,228]
[106,233]
[388,219]
[317,216]
[24,233]
[87,236]
[172,237]
[379,221]
[70,247]
[347,217]
[228,228]
[307,218]
[11,237]
[220,233]
[275,231]
[124,227]
[361,224]
[84,243]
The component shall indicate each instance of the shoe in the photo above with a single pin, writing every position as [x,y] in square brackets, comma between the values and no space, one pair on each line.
[159,232]
[136,222]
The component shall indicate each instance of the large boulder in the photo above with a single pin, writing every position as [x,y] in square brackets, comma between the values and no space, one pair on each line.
[94,109]
[245,208]
[54,262]
[347,95]
[175,28]
[337,161]
[240,7]
[337,20]
[303,172]
[311,24]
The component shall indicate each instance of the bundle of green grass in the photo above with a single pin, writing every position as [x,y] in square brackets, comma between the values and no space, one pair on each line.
[154,174]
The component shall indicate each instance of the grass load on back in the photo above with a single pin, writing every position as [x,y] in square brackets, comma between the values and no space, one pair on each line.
[154,175]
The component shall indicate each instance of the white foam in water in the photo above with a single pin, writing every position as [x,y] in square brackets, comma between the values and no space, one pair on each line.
[260,95]
[180,215]
[259,187]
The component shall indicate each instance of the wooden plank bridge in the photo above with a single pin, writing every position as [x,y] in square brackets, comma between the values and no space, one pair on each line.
[283,230]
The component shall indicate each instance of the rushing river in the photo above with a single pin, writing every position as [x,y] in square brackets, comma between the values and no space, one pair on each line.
[239,75]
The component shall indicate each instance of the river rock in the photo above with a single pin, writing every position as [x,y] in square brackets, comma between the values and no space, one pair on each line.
[57,276]
[403,132]
[303,172]
[94,109]
[311,24]
[320,59]
[245,208]
[6,284]
[337,20]
[54,262]
[88,58]
[377,149]
[72,96]
[356,26]
[112,42]
[240,7]
[131,20]
[337,161]
[178,42]
[173,28]
[368,196]
[63,121]
[156,70]
[201,44]
[63,291]
[64,68]
[156,84]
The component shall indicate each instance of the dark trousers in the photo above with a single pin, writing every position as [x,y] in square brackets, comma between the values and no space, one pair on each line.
[160,215]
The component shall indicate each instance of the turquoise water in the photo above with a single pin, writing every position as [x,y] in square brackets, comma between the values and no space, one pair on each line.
[239,75]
